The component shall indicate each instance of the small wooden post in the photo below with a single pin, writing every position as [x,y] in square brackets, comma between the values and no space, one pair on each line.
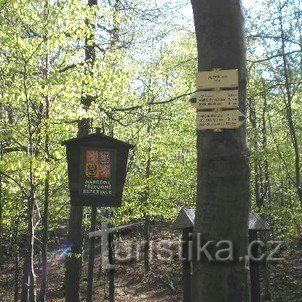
[147,244]
[186,265]
[91,256]
[111,268]
[254,268]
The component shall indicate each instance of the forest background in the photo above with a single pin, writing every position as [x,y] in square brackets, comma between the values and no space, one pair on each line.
[142,78]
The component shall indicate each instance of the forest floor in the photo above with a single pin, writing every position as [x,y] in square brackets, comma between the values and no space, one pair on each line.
[161,284]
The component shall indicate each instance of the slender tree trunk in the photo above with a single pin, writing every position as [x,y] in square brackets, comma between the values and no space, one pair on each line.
[1,207]
[28,286]
[254,143]
[223,170]
[289,111]
[116,24]
[45,224]
[32,277]
[258,144]
[45,218]
[267,296]
[25,281]
[146,194]
[16,253]
[74,261]
[264,147]
[16,276]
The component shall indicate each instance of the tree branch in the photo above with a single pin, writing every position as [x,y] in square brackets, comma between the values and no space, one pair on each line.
[16,182]
[154,103]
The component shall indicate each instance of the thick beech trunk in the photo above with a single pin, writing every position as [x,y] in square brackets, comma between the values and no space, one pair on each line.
[223,171]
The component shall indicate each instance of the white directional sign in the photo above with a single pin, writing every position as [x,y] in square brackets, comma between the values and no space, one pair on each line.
[211,120]
[223,99]
[217,79]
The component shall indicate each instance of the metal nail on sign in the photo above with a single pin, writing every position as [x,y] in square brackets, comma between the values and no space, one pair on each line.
[217,79]
[223,99]
[211,120]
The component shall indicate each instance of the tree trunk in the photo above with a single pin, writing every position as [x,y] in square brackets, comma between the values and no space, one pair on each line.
[91,256]
[223,171]
[28,286]
[289,111]
[74,261]
[16,254]
[16,275]
[45,224]
[24,291]
[1,207]
[146,195]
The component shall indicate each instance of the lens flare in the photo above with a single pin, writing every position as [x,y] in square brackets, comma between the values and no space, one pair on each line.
[62,253]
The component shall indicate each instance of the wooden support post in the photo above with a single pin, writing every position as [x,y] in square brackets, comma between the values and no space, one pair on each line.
[73,262]
[147,244]
[186,265]
[111,268]
[254,268]
[91,256]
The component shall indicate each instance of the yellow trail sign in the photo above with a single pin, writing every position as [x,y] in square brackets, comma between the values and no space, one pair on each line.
[222,99]
[211,120]
[217,79]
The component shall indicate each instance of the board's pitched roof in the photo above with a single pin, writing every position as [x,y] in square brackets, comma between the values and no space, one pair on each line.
[97,137]
[186,219]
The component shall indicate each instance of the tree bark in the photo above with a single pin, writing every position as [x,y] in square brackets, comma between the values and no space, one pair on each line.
[223,170]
